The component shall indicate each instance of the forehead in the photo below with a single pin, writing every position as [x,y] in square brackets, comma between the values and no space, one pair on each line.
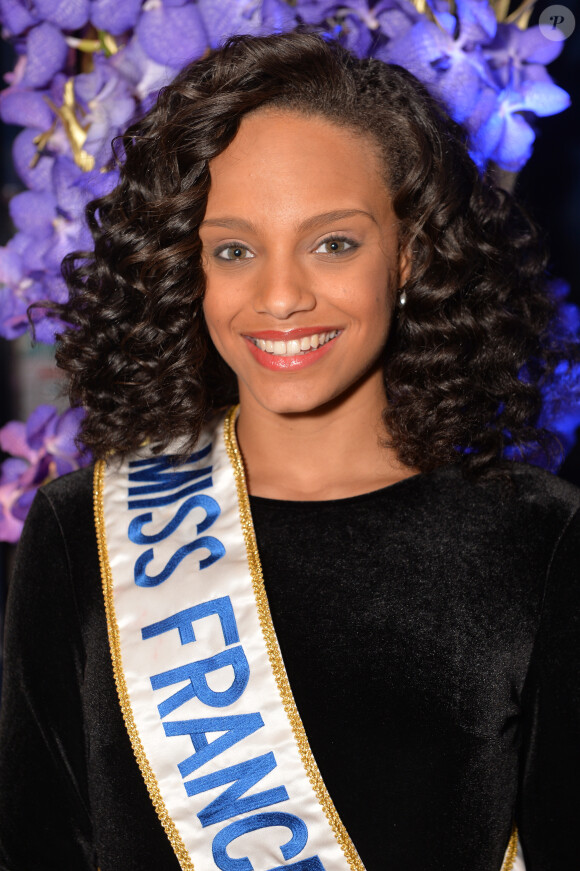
[285,160]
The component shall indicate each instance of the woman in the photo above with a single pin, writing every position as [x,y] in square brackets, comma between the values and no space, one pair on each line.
[305,233]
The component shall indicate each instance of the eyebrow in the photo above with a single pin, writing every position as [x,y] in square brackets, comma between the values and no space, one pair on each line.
[309,224]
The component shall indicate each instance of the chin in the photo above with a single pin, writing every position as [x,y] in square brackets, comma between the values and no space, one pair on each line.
[281,402]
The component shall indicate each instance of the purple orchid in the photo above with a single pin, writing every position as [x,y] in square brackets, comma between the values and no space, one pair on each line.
[17,16]
[115,16]
[145,76]
[50,224]
[499,130]
[12,489]
[223,18]
[171,32]
[64,14]
[364,26]
[46,52]
[516,56]
[108,106]
[447,55]
[45,449]
[18,288]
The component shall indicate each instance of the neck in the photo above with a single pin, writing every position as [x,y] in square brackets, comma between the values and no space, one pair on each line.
[335,452]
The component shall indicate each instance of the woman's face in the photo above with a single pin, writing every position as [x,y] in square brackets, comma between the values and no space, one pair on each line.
[300,254]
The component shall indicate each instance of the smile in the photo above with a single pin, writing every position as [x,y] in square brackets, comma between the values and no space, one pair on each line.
[294,347]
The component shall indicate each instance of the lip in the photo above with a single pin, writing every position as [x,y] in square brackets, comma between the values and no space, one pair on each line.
[286,364]
[288,335]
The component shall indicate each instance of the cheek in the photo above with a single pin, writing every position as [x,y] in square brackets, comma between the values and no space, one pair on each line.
[214,319]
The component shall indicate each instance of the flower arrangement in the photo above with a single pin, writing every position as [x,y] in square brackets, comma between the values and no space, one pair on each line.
[86,68]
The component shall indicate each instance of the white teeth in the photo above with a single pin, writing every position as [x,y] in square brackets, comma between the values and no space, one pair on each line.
[293,347]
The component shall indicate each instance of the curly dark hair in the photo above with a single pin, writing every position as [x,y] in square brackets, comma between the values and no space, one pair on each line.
[477,314]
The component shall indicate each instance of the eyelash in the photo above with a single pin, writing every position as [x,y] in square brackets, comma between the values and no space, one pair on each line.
[227,247]
[350,242]
[352,245]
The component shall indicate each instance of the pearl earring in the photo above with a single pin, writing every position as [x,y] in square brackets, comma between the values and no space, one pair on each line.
[402,299]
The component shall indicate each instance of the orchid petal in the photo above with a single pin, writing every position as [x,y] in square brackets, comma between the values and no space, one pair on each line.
[33,212]
[17,16]
[115,16]
[35,174]
[13,440]
[535,48]
[37,424]
[25,108]
[544,98]
[515,146]
[66,14]
[46,52]
[173,35]
[12,470]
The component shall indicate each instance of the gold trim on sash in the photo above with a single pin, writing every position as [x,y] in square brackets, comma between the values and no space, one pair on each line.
[179,847]
[308,761]
[274,654]
[275,657]
[512,850]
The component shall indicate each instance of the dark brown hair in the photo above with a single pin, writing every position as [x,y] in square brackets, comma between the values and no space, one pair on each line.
[477,315]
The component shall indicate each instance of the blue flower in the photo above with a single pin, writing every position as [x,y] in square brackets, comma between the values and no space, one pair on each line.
[171,32]
[45,448]
[107,105]
[499,127]
[17,16]
[223,18]
[447,55]
[46,52]
[516,56]
[65,14]
[115,16]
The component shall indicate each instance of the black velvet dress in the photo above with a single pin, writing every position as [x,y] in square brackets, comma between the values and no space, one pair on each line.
[431,634]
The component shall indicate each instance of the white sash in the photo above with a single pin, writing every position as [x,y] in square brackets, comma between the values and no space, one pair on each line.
[199,673]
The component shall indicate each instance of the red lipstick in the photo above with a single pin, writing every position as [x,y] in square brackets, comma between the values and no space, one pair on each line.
[278,362]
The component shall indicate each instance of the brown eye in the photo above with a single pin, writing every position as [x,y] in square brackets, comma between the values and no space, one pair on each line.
[234,252]
[335,246]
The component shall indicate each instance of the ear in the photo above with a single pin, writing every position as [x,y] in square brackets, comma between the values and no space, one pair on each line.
[405,264]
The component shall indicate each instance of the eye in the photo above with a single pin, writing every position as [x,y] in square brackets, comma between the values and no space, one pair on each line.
[336,245]
[233,251]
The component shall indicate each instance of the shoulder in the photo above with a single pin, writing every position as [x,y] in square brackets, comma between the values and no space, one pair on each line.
[515,522]
[521,494]
[537,487]
[69,498]
[61,520]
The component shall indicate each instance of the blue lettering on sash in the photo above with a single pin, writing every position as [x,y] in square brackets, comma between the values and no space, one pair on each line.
[163,473]
[183,620]
[234,830]
[195,673]
[209,505]
[159,501]
[163,477]
[214,545]
[156,482]
[242,776]
[236,727]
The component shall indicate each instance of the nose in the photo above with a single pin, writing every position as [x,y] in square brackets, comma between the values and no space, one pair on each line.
[283,288]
